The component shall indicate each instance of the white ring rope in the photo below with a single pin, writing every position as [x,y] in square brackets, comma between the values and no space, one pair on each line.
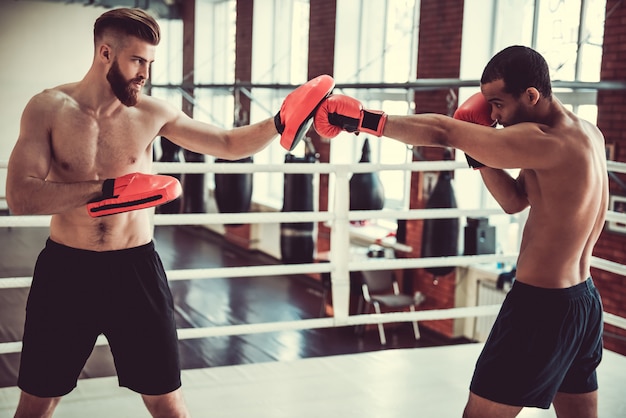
[211,167]
[279,217]
[293,217]
[339,265]
[304,324]
[286,269]
[373,264]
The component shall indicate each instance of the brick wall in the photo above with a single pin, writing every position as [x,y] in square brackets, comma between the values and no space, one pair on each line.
[322,19]
[438,56]
[243,55]
[611,121]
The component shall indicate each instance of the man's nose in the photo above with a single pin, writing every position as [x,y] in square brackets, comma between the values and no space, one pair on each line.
[144,72]
[495,116]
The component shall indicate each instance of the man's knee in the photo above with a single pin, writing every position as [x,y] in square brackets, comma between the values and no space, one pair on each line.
[167,405]
[35,406]
[576,404]
[479,407]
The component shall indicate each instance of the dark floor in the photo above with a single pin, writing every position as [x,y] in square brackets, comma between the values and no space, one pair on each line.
[210,302]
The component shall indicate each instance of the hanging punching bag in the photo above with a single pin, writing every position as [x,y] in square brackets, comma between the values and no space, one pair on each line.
[170,153]
[297,243]
[193,186]
[366,189]
[233,191]
[440,236]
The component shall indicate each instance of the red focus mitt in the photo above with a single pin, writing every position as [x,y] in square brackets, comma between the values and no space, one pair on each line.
[134,191]
[296,113]
[475,110]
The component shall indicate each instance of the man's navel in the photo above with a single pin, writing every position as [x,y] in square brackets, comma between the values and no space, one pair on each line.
[101,232]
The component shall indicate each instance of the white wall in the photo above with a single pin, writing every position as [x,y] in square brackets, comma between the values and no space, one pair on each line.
[41,45]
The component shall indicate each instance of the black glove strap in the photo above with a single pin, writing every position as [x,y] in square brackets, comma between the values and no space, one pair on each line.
[280,128]
[107,188]
[371,120]
[344,122]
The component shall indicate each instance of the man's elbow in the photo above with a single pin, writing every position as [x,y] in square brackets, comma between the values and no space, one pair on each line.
[19,203]
[16,207]
[511,208]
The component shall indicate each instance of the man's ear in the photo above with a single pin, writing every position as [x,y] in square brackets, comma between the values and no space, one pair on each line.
[533,95]
[105,53]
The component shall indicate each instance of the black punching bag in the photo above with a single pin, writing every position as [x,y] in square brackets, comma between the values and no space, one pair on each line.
[170,153]
[440,236]
[233,191]
[297,243]
[193,186]
[366,189]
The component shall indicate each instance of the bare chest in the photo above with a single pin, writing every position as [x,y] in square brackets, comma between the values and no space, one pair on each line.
[85,147]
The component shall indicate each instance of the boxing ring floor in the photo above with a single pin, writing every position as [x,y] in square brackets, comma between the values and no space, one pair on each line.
[420,382]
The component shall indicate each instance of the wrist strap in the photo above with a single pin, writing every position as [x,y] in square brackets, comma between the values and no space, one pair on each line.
[108,187]
[280,128]
[371,120]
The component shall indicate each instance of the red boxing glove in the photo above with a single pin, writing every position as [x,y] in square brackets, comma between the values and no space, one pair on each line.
[342,113]
[296,113]
[475,110]
[134,191]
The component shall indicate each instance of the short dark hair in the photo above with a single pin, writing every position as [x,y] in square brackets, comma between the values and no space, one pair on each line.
[130,22]
[519,67]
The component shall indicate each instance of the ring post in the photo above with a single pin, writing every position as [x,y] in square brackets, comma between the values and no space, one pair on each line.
[340,249]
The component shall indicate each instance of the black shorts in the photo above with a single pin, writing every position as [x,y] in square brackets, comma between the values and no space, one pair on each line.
[544,341]
[77,295]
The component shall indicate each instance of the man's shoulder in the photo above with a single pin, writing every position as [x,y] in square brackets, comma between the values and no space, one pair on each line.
[152,101]
[55,94]
[578,131]
[46,102]
[156,107]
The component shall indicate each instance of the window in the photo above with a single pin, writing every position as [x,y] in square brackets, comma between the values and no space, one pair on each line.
[214,61]
[377,42]
[279,56]
[167,66]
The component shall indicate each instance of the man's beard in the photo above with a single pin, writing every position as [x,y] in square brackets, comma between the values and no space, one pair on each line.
[519,116]
[122,89]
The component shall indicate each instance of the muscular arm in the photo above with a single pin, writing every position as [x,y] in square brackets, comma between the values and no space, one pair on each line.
[508,192]
[28,190]
[524,145]
[203,138]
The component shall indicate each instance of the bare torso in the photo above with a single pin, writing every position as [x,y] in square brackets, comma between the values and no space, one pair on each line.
[90,146]
[75,136]
[568,203]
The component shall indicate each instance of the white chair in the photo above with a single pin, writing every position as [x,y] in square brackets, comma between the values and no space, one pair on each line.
[380,288]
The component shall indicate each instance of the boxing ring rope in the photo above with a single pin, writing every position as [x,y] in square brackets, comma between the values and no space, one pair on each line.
[422,84]
[339,265]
